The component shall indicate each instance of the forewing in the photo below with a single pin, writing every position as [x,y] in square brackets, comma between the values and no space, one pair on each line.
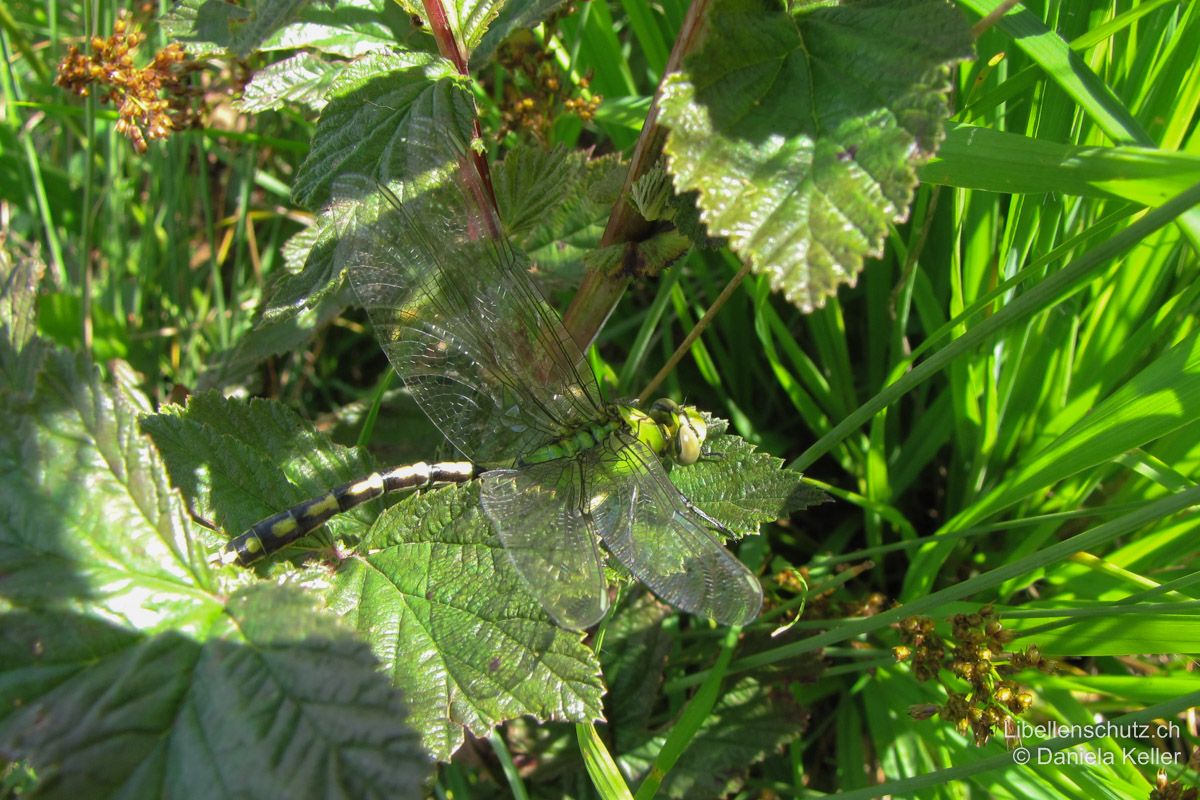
[456,312]
[536,512]
[650,528]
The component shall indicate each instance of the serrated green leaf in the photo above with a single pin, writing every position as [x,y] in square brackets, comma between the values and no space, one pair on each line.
[90,520]
[218,25]
[313,271]
[457,632]
[555,205]
[802,131]
[20,350]
[640,259]
[747,723]
[379,104]
[470,19]
[296,709]
[741,486]
[349,29]
[530,184]
[239,461]
[302,79]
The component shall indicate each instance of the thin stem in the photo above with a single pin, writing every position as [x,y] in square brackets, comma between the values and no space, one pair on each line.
[695,332]
[599,292]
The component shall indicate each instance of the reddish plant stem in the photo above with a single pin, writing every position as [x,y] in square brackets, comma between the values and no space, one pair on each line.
[452,50]
[599,292]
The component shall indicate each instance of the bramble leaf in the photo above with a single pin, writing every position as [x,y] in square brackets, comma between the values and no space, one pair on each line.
[20,349]
[802,131]
[514,15]
[555,205]
[212,25]
[348,28]
[742,486]
[123,669]
[457,631]
[90,521]
[302,79]
[239,461]
[380,104]
[290,705]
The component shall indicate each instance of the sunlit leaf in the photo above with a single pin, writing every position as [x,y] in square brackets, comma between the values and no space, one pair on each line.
[742,486]
[302,79]
[806,151]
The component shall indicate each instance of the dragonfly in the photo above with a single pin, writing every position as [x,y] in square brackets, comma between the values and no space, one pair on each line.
[561,470]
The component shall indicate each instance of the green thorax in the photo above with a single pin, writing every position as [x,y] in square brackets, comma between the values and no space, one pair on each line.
[667,428]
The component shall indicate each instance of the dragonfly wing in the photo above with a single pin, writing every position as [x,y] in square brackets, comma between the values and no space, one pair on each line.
[536,512]
[652,530]
[455,309]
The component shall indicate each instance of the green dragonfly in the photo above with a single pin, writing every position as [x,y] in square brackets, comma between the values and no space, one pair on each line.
[489,361]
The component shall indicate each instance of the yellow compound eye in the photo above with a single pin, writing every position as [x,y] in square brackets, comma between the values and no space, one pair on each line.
[687,443]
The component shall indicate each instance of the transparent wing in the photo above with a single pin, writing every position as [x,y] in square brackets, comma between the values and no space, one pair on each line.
[650,528]
[456,312]
[536,513]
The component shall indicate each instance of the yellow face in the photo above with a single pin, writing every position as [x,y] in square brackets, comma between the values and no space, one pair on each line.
[685,429]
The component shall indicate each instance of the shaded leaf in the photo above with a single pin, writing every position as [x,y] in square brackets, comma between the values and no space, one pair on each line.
[20,350]
[90,520]
[555,205]
[748,723]
[275,335]
[313,271]
[206,26]
[240,461]
[804,153]
[514,15]
[294,709]
[454,626]
[634,657]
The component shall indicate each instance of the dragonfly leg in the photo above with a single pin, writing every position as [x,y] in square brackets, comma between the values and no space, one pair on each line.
[704,515]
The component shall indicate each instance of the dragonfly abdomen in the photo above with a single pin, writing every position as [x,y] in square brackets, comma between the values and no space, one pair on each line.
[274,532]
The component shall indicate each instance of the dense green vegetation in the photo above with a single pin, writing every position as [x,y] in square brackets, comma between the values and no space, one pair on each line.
[994,375]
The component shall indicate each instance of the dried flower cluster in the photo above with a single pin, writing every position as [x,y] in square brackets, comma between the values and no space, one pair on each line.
[152,101]
[978,657]
[537,92]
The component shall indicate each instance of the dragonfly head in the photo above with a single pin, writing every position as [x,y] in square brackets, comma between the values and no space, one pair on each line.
[683,427]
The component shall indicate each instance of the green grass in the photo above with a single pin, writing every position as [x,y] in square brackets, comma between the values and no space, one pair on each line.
[1006,407]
